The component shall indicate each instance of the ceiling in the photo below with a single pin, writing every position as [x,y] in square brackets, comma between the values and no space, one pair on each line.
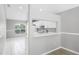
[53,8]
[17,11]
[20,11]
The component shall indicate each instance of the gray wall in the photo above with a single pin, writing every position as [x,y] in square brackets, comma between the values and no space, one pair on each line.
[70,23]
[10,24]
[43,44]
[70,42]
[70,20]
[2,28]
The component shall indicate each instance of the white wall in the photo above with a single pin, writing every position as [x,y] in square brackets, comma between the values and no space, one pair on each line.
[70,41]
[41,44]
[36,14]
[70,20]
[11,28]
[2,28]
[70,24]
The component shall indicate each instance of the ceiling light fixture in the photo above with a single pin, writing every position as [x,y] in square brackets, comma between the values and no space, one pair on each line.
[21,7]
[41,10]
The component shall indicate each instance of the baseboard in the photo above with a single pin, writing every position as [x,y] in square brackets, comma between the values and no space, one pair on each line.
[69,33]
[51,51]
[75,52]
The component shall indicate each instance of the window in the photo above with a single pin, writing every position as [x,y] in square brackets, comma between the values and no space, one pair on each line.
[19,28]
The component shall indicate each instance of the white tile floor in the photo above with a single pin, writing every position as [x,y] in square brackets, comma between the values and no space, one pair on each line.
[15,46]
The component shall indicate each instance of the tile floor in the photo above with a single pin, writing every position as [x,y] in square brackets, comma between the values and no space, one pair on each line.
[15,46]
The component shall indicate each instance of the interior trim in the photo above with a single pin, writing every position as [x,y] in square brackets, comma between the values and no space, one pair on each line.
[51,51]
[75,52]
[69,33]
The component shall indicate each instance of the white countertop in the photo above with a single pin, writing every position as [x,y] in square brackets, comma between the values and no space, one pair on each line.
[43,34]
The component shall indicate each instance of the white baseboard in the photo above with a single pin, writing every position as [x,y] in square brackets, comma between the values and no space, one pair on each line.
[75,52]
[62,48]
[51,51]
[69,33]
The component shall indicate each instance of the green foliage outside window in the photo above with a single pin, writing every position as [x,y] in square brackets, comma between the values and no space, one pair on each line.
[20,28]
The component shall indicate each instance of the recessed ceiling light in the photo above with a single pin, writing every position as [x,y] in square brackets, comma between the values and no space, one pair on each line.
[41,10]
[21,7]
